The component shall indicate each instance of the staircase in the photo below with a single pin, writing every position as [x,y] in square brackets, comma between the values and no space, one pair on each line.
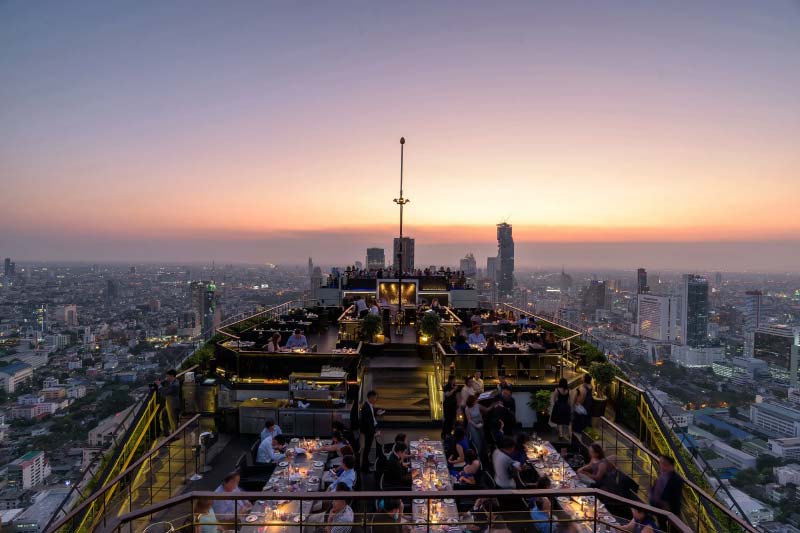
[401,378]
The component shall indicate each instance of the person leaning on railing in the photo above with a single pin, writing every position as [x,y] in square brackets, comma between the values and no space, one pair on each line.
[170,392]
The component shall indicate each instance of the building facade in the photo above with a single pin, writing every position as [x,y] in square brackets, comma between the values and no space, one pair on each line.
[505,259]
[376,259]
[694,310]
[403,258]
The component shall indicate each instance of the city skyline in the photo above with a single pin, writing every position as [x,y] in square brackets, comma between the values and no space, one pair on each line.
[250,135]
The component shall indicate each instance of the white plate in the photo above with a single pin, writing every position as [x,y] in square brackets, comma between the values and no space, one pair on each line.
[419,501]
[318,464]
[313,479]
[283,464]
[296,519]
[449,501]
[563,499]
[251,518]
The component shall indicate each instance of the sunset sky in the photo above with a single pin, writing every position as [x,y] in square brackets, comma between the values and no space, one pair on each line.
[268,131]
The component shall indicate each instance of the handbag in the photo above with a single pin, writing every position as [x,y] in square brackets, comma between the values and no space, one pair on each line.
[581,410]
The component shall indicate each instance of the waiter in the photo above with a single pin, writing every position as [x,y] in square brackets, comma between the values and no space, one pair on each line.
[368,419]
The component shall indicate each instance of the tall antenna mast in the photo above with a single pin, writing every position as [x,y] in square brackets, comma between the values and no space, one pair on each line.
[401,202]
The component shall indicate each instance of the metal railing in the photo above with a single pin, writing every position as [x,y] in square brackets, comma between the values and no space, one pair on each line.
[260,314]
[152,478]
[298,511]
[635,407]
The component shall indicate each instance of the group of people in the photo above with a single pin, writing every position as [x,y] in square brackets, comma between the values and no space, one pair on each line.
[296,340]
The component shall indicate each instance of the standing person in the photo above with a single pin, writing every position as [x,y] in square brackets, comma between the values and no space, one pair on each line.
[475,428]
[504,464]
[449,406]
[170,392]
[667,491]
[583,405]
[561,408]
[368,419]
[374,309]
[361,307]
[477,382]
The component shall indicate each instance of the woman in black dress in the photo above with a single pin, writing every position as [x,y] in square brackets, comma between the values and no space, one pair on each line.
[449,405]
[561,408]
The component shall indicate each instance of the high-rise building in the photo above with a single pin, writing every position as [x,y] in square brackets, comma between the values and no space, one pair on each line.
[469,266]
[641,281]
[565,282]
[594,297]
[70,318]
[752,319]
[40,320]
[505,258]
[210,311]
[658,317]
[777,345]
[694,310]
[9,267]
[112,291]
[718,279]
[310,267]
[407,253]
[491,269]
[376,259]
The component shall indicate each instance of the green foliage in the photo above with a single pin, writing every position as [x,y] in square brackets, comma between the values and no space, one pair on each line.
[736,443]
[592,433]
[371,325]
[746,478]
[603,374]
[430,324]
[540,401]
[767,462]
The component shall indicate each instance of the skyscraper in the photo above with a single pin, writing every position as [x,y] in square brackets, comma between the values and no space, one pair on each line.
[407,254]
[752,320]
[310,267]
[70,317]
[491,269]
[210,315]
[641,281]
[40,319]
[112,291]
[376,258]
[657,317]
[694,310]
[505,258]
[468,265]
[9,267]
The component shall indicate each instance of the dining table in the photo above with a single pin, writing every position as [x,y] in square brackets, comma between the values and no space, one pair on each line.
[549,462]
[301,470]
[430,473]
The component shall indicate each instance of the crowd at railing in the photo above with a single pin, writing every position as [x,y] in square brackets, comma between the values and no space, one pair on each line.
[342,278]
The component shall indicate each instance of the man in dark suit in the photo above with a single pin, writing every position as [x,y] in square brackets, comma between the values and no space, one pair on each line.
[667,491]
[368,420]
[397,474]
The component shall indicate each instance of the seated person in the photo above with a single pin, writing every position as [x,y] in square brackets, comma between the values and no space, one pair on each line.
[347,434]
[541,508]
[468,474]
[390,518]
[397,473]
[641,522]
[206,519]
[597,467]
[457,458]
[399,438]
[226,510]
[476,337]
[504,464]
[271,449]
[298,340]
[346,475]
[491,346]
[332,512]
[461,346]
[274,343]
[271,429]
[337,443]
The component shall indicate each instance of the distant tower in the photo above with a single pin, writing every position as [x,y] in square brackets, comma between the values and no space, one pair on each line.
[210,314]
[376,259]
[565,282]
[694,310]
[641,281]
[40,320]
[112,291]
[9,267]
[718,280]
[505,257]
[407,254]
[469,266]
[310,267]
[752,320]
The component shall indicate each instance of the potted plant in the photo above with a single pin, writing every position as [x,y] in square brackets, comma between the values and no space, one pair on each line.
[540,402]
[603,375]
[371,325]
[429,326]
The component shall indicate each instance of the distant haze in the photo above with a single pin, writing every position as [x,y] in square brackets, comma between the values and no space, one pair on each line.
[268,130]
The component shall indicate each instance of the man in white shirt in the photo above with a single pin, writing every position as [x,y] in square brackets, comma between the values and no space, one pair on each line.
[503,464]
[476,337]
[271,449]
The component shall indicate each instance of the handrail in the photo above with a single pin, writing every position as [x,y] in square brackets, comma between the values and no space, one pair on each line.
[688,482]
[673,520]
[247,315]
[576,332]
[131,468]
[452,314]
[344,314]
